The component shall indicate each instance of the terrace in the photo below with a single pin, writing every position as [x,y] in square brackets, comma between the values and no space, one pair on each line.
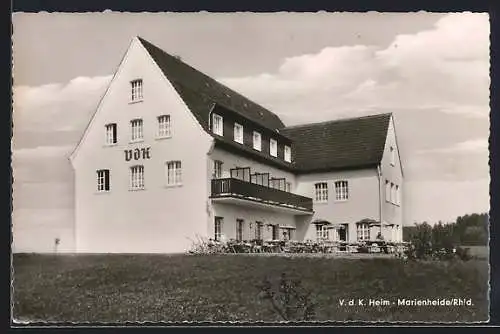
[298,247]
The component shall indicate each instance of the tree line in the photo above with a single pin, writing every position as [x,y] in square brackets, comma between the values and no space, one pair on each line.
[467,230]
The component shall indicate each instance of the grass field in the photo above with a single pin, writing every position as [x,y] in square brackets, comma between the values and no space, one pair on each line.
[481,252]
[115,288]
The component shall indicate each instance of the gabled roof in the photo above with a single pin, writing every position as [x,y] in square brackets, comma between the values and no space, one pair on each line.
[200,92]
[340,144]
[333,145]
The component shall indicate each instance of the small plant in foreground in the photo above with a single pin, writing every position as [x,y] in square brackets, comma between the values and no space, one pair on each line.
[463,253]
[289,300]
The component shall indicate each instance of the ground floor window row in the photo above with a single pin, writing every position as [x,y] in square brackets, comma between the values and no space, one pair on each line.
[255,230]
[173,176]
[341,232]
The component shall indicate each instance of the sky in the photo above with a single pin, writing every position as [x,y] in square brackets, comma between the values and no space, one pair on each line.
[431,70]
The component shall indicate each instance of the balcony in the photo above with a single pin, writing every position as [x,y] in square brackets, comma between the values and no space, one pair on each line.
[237,191]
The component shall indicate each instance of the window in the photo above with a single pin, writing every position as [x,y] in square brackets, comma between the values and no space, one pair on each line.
[321,192]
[387,191]
[258,230]
[273,147]
[288,153]
[218,228]
[288,187]
[393,193]
[136,90]
[239,229]
[260,178]
[174,173]
[217,169]
[241,173]
[217,124]
[257,141]
[164,126]
[363,231]
[393,156]
[137,131]
[341,191]
[137,177]
[111,134]
[238,133]
[322,232]
[103,180]
[397,198]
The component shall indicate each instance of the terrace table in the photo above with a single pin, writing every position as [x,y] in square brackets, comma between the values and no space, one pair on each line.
[352,249]
[257,249]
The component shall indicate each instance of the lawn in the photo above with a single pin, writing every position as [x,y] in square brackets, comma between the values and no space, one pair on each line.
[152,288]
[482,252]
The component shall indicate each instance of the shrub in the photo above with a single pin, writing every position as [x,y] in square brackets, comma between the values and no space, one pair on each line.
[209,246]
[421,247]
[363,249]
[289,300]
[463,253]
[435,242]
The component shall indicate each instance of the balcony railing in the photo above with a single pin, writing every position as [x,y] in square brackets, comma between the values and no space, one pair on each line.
[231,187]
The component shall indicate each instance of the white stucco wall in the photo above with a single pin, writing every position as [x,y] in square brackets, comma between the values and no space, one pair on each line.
[392,213]
[158,218]
[168,219]
[249,213]
[363,199]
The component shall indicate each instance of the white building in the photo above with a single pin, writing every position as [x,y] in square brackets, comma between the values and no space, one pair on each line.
[171,156]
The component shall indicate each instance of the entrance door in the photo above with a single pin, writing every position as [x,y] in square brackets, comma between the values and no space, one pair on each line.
[218,228]
[258,230]
[239,229]
[343,233]
[276,232]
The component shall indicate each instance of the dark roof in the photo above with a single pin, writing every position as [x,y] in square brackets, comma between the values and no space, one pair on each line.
[200,92]
[340,144]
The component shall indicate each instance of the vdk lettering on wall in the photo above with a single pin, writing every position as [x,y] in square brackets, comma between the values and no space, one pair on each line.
[137,154]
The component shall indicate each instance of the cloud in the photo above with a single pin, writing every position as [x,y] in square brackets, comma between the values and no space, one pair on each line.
[430,80]
[42,164]
[43,195]
[446,67]
[43,152]
[56,107]
[479,146]
[444,200]
[48,121]
[460,161]
[436,83]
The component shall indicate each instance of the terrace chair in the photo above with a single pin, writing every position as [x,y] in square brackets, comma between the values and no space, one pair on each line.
[267,248]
